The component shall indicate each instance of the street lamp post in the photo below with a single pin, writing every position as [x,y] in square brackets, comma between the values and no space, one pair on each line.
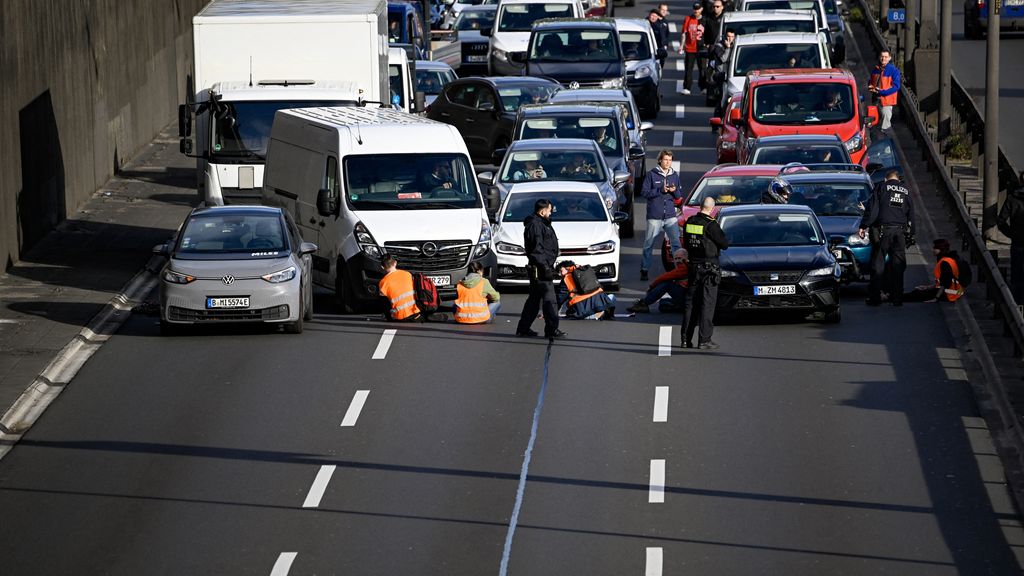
[991,194]
[945,66]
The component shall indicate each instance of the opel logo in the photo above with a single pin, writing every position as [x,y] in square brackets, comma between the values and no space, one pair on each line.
[228,279]
[429,249]
[774,276]
[574,85]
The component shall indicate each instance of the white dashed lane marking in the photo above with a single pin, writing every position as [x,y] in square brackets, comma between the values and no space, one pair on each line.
[654,562]
[352,414]
[385,343]
[677,138]
[283,564]
[680,111]
[661,404]
[316,491]
[665,341]
[656,492]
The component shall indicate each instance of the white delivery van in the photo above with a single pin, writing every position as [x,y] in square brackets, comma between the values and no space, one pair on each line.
[365,182]
[510,35]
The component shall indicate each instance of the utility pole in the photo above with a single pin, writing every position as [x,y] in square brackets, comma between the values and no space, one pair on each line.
[883,18]
[945,66]
[991,195]
[909,39]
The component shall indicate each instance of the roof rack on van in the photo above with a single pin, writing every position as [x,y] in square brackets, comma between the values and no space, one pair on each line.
[795,167]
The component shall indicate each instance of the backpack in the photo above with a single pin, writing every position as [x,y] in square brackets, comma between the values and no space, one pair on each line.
[585,279]
[425,293]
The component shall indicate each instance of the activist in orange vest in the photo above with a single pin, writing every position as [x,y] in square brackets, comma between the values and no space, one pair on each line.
[947,287]
[594,305]
[397,287]
[885,83]
[477,301]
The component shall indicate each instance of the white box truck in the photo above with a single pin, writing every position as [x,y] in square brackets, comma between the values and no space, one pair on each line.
[253,58]
[365,182]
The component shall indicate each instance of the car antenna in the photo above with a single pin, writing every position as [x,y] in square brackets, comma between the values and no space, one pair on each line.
[250,70]
[359,134]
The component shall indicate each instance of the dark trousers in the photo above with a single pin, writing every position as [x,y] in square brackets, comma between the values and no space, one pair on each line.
[542,293]
[689,61]
[891,244]
[1017,272]
[700,304]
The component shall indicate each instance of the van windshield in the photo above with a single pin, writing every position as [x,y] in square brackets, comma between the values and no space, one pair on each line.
[755,27]
[635,46]
[803,103]
[765,56]
[520,17]
[410,181]
[241,129]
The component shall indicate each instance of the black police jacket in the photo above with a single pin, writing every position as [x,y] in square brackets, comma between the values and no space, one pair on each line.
[890,205]
[541,243]
[1011,216]
[703,238]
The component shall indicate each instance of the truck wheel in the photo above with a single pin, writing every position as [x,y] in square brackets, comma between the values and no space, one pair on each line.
[342,297]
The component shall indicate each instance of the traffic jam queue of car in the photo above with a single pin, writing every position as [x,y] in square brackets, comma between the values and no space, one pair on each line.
[533,99]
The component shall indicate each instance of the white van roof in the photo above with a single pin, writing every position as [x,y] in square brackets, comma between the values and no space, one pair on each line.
[294,10]
[778,38]
[371,130]
[358,116]
[763,15]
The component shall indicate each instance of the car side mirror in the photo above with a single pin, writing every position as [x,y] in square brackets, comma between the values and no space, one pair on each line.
[493,200]
[162,250]
[620,177]
[872,116]
[619,217]
[646,126]
[736,117]
[486,107]
[715,122]
[636,152]
[307,248]
[326,203]
[485,178]
[498,155]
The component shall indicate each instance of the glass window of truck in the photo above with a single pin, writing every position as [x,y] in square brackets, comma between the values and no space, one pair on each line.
[242,129]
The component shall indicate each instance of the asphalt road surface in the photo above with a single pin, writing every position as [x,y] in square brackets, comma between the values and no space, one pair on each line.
[361,447]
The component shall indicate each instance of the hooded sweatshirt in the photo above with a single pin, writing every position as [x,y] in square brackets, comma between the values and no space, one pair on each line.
[660,203]
[472,279]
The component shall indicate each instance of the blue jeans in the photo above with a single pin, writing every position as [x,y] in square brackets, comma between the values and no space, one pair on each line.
[677,292]
[655,228]
[493,307]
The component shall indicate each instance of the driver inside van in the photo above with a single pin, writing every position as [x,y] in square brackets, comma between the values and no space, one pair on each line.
[440,176]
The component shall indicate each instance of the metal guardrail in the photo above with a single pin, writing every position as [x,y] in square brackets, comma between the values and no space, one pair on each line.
[967,118]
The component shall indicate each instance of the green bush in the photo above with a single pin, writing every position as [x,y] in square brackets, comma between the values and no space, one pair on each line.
[856,14]
[958,147]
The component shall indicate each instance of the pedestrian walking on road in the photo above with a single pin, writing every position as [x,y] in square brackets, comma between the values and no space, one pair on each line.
[541,245]
[689,44]
[885,84]
[1011,223]
[890,218]
[661,34]
[712,25]
[662,189]
[704,241]
[477,301]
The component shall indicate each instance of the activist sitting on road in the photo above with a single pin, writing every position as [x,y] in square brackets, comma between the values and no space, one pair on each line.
[477,300]
[582,295]
[397,288]
[672,282]
[951,275]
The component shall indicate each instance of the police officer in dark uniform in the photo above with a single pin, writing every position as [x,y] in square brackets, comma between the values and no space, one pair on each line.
[541,245]
[890,217]
[703,238]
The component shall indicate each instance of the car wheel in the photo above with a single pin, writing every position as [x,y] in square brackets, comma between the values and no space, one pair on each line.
[626,229]
[342,298]
[308,313]
[296,327]
[833,317]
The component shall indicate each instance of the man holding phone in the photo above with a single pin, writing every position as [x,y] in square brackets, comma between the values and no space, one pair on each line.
[663,191]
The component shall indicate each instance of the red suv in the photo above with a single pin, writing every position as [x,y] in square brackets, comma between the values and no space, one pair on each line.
[803,101]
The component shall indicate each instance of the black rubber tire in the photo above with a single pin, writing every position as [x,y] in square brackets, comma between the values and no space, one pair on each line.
[296,327]
[627,228]
[833,317]
[341,296]
[308,312]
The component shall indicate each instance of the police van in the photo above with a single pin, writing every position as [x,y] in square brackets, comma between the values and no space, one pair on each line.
[363,183]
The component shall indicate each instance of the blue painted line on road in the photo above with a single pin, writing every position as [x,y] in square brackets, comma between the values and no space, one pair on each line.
[526,467]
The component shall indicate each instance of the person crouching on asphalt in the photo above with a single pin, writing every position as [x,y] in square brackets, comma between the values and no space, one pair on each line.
[397,287]
[477,301]
[947,286]
[594,305]
[672,283]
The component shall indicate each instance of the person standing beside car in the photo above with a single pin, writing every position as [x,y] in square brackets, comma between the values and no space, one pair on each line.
[712,25]
[662,189]
[885,84]
[689,44]
[541,246]
[661,34]
[891,214]
[704,241]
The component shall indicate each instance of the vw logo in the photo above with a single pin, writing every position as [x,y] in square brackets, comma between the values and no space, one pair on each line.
[429,249]
[574,85]
[228,279]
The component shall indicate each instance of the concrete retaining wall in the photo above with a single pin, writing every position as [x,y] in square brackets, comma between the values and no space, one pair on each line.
[83,85]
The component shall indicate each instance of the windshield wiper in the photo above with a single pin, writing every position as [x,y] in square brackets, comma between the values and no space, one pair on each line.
[439,205]
[367,203]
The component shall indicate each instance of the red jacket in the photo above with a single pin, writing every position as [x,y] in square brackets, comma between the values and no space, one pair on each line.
[887,81]
[693,31]
[677,274]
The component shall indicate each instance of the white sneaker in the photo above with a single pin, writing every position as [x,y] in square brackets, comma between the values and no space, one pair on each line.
[686,91]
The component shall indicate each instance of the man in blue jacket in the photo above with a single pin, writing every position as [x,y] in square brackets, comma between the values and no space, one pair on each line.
[885,84]
[662,189]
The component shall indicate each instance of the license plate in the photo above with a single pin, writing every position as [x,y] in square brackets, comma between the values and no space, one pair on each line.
[774,290]
[441,280]
[1014,2]
[838,254]
[233,302]
[480,58]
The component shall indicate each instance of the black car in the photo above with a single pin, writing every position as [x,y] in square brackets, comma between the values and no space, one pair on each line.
[582,53]
[802,148]
[778,259]
[472,20]
[484,109]
[602,123]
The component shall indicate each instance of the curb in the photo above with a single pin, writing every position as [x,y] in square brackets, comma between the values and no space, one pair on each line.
[27,409]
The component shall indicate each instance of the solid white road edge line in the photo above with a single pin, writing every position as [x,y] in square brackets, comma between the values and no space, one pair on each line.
[665,341]
[283,564]
[654,562]
[656,493]
[316,491]
[385,344]
[352,414]
[661,404]
[677,138]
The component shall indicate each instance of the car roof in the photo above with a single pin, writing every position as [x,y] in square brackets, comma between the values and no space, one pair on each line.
[432,65]
[777,38]
[828,176]
[507,80]
[240,210]
[799,139]
[504,2]
[480,8]
[756,208]
[595,95]
[554,186]
[761,15]
[743,170]
[632,24]
[802,75]
[573,23]
[596,109]
[554,144]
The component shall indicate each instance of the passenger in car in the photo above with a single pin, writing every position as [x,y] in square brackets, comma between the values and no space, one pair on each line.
[530,170]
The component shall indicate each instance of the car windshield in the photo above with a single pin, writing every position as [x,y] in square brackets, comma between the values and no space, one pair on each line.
[576,165]
[830,198]
[520,17]
[241,129]
[753,27]
[764,56]
[515,95]
[600,129]
[409,181]
[635,46]
[574,45]
[730,190]
[771,229]
[431,81]
[803,103]
[784,154]
[831,8]
[475,20]
[565,206]
[237,232]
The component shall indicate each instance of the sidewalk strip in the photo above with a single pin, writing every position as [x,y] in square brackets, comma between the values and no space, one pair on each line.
[283,564]
[316,491]
[656,493]
[654,562]
[677,138]
[665,341]
[661,404]
[352,414]
[680,111]
[385,344]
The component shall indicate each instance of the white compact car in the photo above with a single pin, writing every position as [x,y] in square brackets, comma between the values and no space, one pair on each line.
[587,232]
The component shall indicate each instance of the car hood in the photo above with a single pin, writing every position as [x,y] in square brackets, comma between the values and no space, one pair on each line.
[776,257]
[839,225]
[566,72]
[244,267]
[570,234]
[410,225]
[510,41]
[845,130]
[472,37]
[735,85]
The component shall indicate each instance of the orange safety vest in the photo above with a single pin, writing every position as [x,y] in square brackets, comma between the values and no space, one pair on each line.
[955,290]
[471,305]
[397,287]
[570,284]
[882,82]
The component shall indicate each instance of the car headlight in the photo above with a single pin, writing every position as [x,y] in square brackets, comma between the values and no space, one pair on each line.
[509,248]
[612,83]
[499,54]
[484,243]
[643,71]
[826,271]
[601,248]
[367,244]
[176,278]
[728,144]
[856,240]
[855,143]
[281,275]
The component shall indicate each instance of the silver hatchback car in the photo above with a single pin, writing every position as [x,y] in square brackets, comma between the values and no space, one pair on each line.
[236,264]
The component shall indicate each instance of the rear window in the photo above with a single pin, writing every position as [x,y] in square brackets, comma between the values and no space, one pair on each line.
[802,154]
[600,129]
[764,56]
[803,103]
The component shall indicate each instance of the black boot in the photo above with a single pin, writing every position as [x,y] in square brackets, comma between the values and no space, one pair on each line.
[609,314]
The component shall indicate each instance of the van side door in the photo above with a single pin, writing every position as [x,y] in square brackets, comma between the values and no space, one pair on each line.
[327,237]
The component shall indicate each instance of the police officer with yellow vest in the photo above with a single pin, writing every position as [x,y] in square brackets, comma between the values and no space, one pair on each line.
[704,239]
[891,215]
